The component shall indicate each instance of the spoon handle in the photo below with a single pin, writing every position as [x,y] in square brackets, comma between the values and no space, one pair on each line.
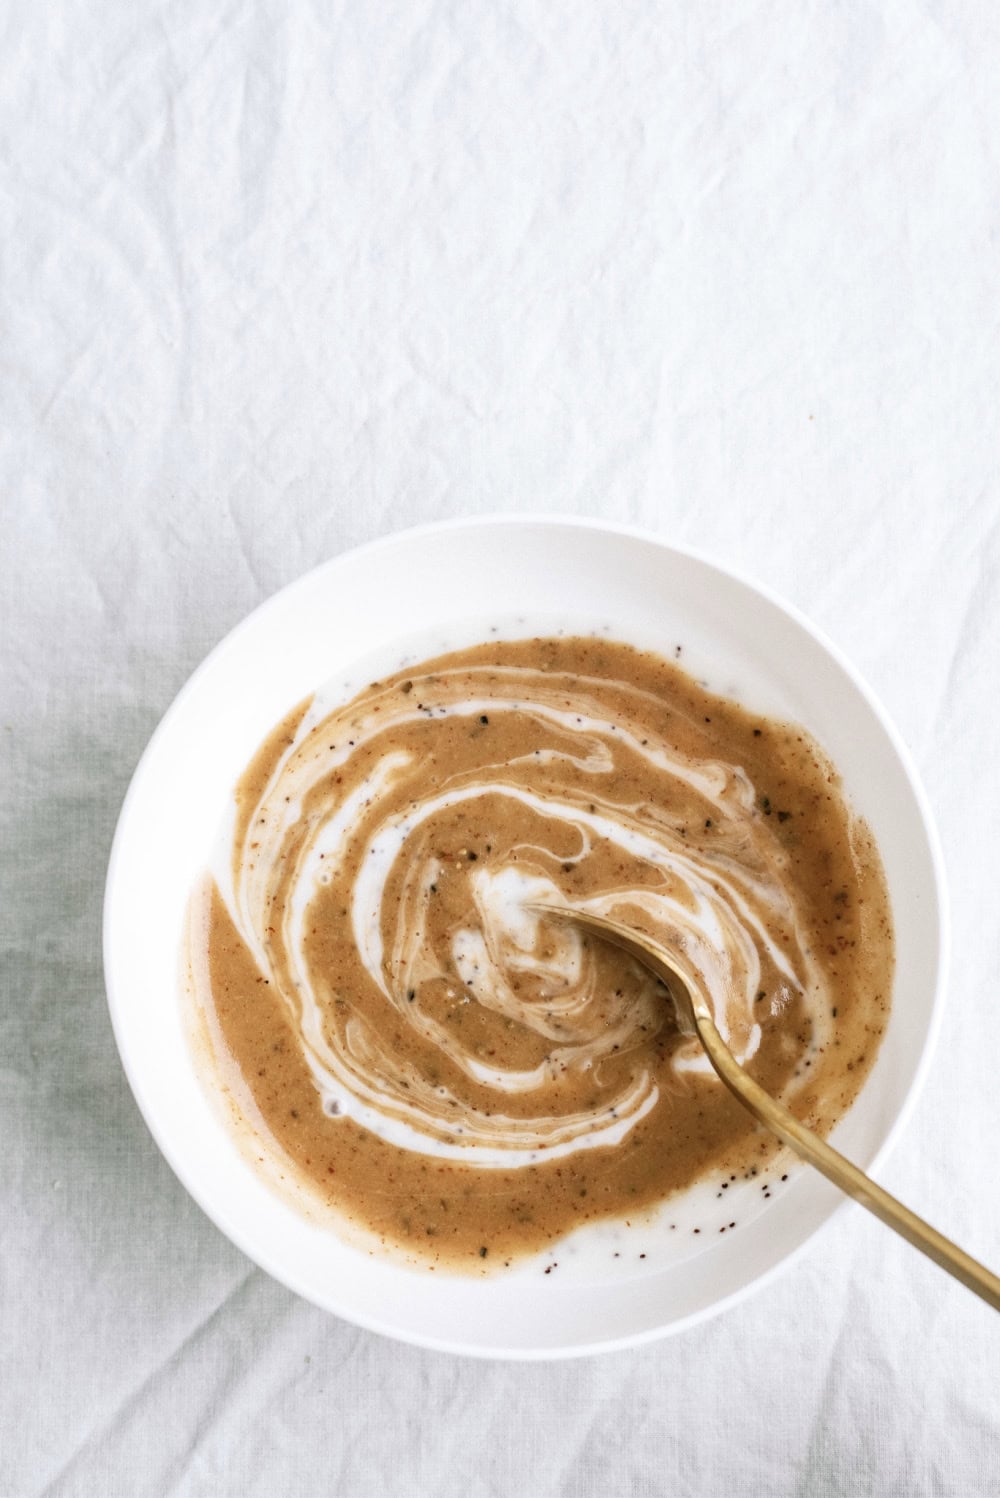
[842,1173]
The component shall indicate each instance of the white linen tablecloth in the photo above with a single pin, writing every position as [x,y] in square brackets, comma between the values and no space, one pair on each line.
[279,275]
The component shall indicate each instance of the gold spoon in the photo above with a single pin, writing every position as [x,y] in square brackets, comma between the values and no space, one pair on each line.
[695,1018]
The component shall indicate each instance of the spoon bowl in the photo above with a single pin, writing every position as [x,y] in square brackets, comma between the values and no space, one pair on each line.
[410,596]
[695,1017]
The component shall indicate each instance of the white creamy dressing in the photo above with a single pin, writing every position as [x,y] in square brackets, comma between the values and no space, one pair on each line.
[722,913]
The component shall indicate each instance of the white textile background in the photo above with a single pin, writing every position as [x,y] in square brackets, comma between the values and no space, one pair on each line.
[278,277]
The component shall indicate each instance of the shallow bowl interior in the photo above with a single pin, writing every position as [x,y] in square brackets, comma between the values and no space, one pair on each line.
[444,585]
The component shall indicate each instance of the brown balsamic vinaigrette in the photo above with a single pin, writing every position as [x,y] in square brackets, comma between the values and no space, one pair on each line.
[469,1083]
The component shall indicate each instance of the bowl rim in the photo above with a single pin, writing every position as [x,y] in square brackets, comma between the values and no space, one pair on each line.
[528,520]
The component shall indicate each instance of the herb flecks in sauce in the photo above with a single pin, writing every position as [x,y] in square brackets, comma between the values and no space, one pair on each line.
[464,1079]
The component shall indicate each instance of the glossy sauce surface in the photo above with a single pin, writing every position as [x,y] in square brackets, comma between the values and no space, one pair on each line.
[467,1081]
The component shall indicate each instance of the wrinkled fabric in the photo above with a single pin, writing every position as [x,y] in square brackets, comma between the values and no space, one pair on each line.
[277,278]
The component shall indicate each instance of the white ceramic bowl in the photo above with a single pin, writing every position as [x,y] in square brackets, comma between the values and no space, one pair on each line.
[410,593]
